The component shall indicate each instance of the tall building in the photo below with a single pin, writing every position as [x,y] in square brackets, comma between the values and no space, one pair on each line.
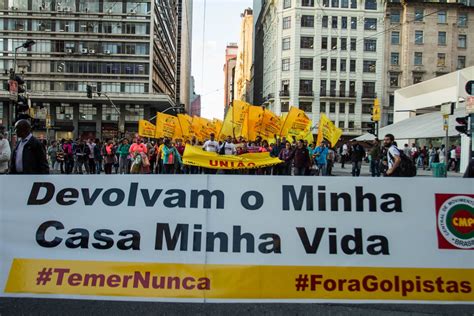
[195,105]
[126,49]
[229,73]
[183,76]
[243,73]
[425,39]
[323,56]
[257,68]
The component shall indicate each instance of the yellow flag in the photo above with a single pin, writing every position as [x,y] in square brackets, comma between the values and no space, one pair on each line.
[218,123]
[307,133]
[146,129]
[165,125]
[328,131]
[295,123]
[185,126]
[234,120]
[269,126]
[252,119]
[202,128]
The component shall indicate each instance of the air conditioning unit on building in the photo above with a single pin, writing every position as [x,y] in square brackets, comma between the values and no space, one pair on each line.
[132,11]
[84,50]
[91,51]
[69,51]
[107,52]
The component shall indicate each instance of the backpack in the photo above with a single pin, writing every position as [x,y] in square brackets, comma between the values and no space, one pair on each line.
[407,167]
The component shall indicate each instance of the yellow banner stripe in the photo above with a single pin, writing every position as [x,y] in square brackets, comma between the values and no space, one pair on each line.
[238,282]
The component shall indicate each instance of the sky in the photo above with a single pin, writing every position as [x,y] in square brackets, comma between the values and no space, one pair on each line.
[222,26]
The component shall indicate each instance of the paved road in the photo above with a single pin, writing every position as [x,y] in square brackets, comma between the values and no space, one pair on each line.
[71,308]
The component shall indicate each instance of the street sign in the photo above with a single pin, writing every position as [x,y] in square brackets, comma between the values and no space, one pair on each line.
[447,108]
[445,122]
[470,105]
[13,88]
[376,111]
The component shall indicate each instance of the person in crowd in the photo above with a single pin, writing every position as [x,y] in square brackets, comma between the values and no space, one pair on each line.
[442,154]
[393,156]
[458,158]
[320,154]
[301,159]
[285,167]
[53,155]
[5,153]
[170,157]
[68,156]
[344,154]
[432,153]
[91,158]
[452,158]
[109,156]
[82,157]
[264,148]
[98,158]
[228,147]
[357,154]
[374,156]
[331,158]
[407,151]
[124,151]
[59,158]
[413,152]
[138,153]
[211,145]
[29,155]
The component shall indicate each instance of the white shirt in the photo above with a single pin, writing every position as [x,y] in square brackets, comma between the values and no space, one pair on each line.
[344,149]
[19,153]
[211,146]
[453,154]
[229,148]
[91,147]
[391,153]
[5,154]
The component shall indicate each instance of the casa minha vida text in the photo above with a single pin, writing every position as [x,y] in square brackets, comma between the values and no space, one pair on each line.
[192,237]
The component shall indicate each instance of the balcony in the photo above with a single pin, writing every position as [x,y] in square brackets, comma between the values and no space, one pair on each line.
[338,94]
[369,95]
[306,93]
[284,93]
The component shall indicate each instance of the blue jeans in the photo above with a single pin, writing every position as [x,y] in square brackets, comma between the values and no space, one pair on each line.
[323,169]
[375,168]
[356,166]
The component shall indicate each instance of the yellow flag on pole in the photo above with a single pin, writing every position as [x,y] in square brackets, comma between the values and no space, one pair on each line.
[185,126]
[269,126]
[234,120]
[252,120]
[165,125]
[295,123]
[146,129]
[328,131]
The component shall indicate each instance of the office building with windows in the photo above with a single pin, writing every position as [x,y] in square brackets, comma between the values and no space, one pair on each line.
[324,56]
[126,49]
[425,39]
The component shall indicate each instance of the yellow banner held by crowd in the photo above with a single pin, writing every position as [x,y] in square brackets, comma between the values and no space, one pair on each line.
[195,156]
[146,129]
[328,131]
[165,125]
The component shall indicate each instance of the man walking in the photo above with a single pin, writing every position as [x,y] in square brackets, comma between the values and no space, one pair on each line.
[320,155]
[357,154]
[29,156]
[91,159]
[393,156]
[375,154]
[301,159]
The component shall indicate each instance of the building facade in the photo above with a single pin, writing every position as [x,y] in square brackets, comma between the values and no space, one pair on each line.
[185,34]
[424,40]
[323,56]
[229,73]
[126,49]
[243,69]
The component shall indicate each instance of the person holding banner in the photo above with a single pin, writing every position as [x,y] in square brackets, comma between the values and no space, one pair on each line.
[211,145]
[284,169]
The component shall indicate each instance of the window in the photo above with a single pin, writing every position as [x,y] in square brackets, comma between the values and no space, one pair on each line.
[442,38]
[324,64]
[417,78]
[342,108]
[395,16]
[306,85]
[323,87]
[418,37]
[366,108]
[369,66]
[351,125]
[352,86]
[441,60]
[87,112]
[325,21]
[306,63]
[307,3]
[370,45]
[134,113]
[306,107]
[64,112]
[462,20]
[393,80]
[325,3]
[287,22]
[285,64]
[442,17]
[324,42]
[286,43]
[286,4]
[332,107]
[343,43]
[353,43]
[352,66]
[334,22]
[371,4]
[368,89]
[370,24]
[344,3]
[341,124]
[418,58]
[285,87]
[307,42]
[322,107]
[461,62]
[353,23]
[333,64]
[307,21]
[419,13]
[109,113]
[342,88]
[344,22]
[353,4]
[332,88]
[335,3]
[394,59]
[343,65]
[462,41]
[351,108]
[334,43]
[395,38]
[285,106]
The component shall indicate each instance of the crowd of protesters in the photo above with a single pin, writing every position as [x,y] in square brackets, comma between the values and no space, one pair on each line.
[164,156]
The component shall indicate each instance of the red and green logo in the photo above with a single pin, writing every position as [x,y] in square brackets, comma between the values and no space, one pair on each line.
[455,219]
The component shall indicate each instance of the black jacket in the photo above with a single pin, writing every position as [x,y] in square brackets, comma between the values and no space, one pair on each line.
[34,158]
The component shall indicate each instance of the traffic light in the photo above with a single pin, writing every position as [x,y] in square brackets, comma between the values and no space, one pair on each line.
[89,91]
[20,82]
[372,129]
[463,126]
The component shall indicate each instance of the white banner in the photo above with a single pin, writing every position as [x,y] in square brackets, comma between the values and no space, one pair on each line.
[237,238]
